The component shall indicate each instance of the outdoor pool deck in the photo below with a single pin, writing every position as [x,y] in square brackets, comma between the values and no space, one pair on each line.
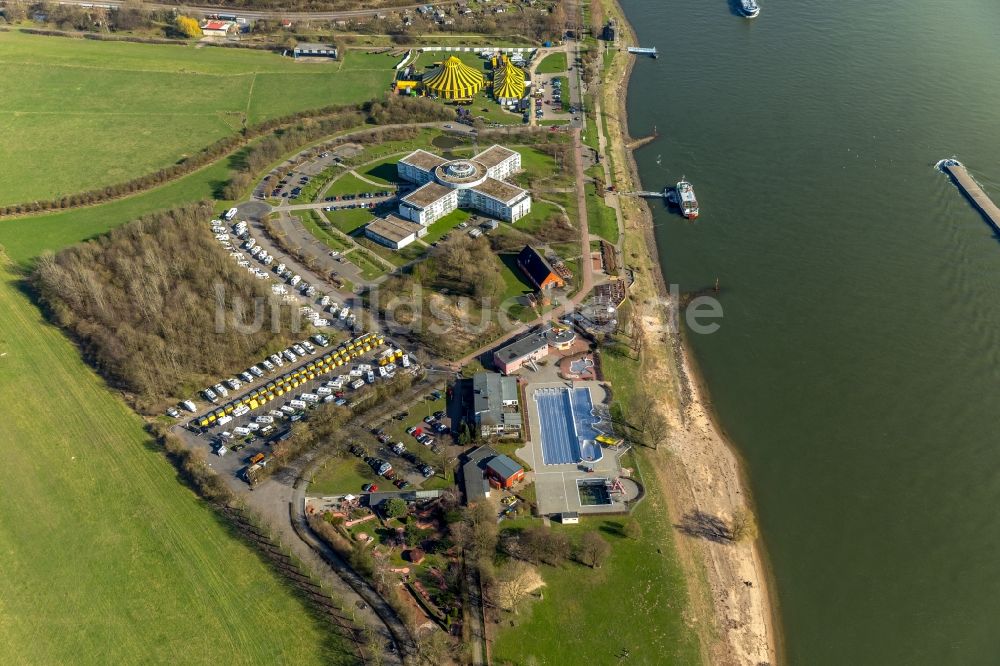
[566,423]
[556,483]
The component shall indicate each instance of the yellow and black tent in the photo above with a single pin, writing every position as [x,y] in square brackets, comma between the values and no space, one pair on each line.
[453,79]
[508,81]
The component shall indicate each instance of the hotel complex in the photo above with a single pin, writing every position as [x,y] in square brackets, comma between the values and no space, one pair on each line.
[478,183]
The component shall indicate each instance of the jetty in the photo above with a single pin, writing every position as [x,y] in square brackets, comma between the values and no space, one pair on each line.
[644,50]
[664,194]
[971,189]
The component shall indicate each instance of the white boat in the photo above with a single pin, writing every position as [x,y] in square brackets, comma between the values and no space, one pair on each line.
[686,199]
[750,8]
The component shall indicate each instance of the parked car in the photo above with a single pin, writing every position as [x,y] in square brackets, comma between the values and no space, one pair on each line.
[369,488]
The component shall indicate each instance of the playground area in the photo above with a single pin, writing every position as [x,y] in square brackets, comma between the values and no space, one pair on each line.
[575,466]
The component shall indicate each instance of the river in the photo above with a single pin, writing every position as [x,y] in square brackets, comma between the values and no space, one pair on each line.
[860,345]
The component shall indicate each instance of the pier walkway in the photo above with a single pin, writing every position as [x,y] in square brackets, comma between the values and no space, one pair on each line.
[642,50]
[965,182]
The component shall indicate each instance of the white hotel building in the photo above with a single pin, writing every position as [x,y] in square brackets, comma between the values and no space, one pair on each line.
[477,183]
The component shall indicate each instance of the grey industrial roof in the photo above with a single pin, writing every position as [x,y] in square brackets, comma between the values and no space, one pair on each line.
[472,472]
[499,190]
[424,196]
[522,346]
[393,227]
[493,155]
[423,160]
[504,466]
[489,391]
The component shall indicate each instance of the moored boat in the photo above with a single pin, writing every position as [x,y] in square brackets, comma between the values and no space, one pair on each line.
[686,199]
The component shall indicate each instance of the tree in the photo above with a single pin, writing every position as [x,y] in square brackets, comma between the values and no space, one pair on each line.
[188,26]
[743,527]
[513,580]
[594,550]
[434,647]
[395,508]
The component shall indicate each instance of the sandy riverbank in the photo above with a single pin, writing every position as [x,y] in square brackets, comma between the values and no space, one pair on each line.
[697,468]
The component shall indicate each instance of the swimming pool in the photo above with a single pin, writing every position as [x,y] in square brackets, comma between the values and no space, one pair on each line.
[567,426]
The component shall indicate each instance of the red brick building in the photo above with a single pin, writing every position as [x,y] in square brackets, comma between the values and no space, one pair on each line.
[503,472]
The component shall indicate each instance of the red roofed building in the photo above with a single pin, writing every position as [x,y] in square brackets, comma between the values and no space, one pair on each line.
[538,269]
[218,28]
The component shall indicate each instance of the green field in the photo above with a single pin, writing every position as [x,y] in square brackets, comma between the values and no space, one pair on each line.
[77,114]
[636,601]
[553,63]
[107,558]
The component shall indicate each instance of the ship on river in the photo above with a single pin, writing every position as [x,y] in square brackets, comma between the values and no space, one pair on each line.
[686,199]
[750,8]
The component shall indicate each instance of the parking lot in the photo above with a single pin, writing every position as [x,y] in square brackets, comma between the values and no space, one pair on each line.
[548,105]
[286,181]
[241,425]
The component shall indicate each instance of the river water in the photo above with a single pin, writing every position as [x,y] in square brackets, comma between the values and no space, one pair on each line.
[859,355]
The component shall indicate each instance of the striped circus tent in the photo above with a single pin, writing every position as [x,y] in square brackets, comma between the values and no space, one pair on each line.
[453,79]
[508,81]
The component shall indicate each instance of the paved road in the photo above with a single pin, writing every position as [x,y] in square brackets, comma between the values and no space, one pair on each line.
[259,14]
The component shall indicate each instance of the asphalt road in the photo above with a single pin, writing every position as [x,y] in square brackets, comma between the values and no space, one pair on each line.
[259,14]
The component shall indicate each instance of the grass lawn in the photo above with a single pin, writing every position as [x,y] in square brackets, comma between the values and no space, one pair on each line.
[446,224]
[517,284]
[351,184]
[123,109]
[349,221]
[311,220]
[27,237]
[370,267]
[636,601]
[601,218]
[107,557]
[383,171]
[564,81]
[343,475]
[533,222]
[552,64]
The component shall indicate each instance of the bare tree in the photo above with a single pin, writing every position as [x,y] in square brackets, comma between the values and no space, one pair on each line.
[513,582]
[743,526]
[594,550]
[434,647]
